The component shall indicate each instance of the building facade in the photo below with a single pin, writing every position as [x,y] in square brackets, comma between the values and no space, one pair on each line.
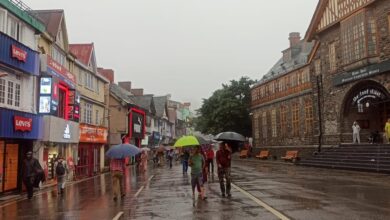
[58,98]
[20,125]
[353,64]
[93,112]
[283,99]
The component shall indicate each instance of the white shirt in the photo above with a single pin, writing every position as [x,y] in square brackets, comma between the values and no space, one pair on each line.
[356,129]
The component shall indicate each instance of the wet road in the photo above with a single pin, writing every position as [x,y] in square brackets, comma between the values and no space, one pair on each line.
[263,191]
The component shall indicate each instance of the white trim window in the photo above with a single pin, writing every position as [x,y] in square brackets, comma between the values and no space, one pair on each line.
[89,81]
[97,117]
[58,56]
[10,92]
[87,113]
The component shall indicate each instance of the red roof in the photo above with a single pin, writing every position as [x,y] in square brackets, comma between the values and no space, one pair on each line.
[83,52]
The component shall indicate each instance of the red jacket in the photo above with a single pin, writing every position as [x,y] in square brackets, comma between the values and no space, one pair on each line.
[224,158]
[210,154]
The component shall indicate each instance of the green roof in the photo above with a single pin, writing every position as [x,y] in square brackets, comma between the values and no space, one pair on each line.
[22,14]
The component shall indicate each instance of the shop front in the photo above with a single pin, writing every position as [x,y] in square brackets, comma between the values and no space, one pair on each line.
[91,150]
[18,133]
[367,101]
[60,137]
[137,121]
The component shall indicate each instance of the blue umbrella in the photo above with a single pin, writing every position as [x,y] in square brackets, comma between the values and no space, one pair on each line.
[122,150]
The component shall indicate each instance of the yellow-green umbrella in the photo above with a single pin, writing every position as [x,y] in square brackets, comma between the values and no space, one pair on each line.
[187,141]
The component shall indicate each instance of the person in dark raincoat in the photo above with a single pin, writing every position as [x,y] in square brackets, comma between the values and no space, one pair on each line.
[32,174]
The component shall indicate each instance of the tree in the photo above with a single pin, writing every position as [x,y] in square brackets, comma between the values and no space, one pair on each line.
[227,109]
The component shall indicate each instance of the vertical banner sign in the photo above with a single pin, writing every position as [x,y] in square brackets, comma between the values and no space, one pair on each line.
[45,91]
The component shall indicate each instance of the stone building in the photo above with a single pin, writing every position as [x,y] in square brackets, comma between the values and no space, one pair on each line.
[352,65]
[283,106]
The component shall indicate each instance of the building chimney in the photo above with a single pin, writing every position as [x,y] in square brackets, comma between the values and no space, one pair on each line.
[107,73]
[137,92]
[294,38]
[125,85]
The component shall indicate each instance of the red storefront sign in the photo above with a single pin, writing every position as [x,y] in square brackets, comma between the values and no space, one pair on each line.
[60,69]
[22,123]
[93,134]
[18,53]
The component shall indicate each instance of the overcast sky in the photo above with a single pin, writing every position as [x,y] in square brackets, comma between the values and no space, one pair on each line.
[186,48]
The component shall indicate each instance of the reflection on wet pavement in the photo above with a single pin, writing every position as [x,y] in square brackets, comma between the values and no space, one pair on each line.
[297,192]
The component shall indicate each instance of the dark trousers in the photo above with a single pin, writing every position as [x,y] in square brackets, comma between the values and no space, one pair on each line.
[185,166]
[170,162]
[210,165]
[224,173]
[28,182]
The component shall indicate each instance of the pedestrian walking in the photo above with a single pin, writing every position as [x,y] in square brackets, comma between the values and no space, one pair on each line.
[210,159]
[144,161]
[170,154]
[387,131]
[185,158]
[117,167]
[196,163]
[223,158]
[356,132]
[61,171]
[205,169]
[32,174]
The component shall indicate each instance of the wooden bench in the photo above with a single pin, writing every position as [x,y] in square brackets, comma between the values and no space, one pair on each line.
[244,154]
[264,154]
[291,155]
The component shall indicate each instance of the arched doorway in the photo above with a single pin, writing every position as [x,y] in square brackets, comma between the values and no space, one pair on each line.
[368,103]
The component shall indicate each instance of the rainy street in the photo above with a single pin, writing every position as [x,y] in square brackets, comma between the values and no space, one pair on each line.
[261,190]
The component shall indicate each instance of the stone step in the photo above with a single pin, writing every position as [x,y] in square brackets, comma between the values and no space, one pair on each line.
[348,167]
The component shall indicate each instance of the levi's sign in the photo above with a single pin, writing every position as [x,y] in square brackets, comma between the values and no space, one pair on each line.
[18,53]
[22,123]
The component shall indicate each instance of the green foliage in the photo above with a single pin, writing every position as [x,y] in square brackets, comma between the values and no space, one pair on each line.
[227,109]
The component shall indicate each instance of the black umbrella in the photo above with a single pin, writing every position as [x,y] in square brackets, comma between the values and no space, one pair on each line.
[229,136]
[202,141]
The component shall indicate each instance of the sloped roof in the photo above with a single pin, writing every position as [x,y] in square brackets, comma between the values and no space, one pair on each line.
[160,104]
[172,116]
[281,67]
[51,19]
[145,102]
[83,52]
[121,93]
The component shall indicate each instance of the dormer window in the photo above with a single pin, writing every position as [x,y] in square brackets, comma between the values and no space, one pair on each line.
[60,39]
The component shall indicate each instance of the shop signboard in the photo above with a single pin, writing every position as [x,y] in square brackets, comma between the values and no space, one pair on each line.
[361,73]
[93,134]
[137,123]
[66,131]
[22,123]
[16,55]
[57,70]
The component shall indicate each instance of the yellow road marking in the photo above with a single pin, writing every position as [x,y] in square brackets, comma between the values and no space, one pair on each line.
[261,203]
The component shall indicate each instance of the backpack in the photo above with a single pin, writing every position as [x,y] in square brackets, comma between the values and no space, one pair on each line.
[60,169]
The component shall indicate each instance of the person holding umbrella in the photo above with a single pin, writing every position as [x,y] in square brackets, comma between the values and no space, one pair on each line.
[224,161]
[118,153]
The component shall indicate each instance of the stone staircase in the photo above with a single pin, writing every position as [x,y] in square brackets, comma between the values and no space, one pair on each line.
[362,157]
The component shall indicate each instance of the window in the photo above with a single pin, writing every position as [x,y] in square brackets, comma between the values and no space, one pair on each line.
[332,57]
[264,120]
[10,97]
[295,119]
[89,81]
[2,91]
[273,123]
[58,56]
[281,85]
[12,27]
[97,117]
[97,86]
[308,117]
[87,113]
[17,94]
[358,36]
[283,120]
[317,67]
[81,74]
[3,14]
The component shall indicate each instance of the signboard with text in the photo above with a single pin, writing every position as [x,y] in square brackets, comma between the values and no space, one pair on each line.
[22,123]
[361,73]
[93,134]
